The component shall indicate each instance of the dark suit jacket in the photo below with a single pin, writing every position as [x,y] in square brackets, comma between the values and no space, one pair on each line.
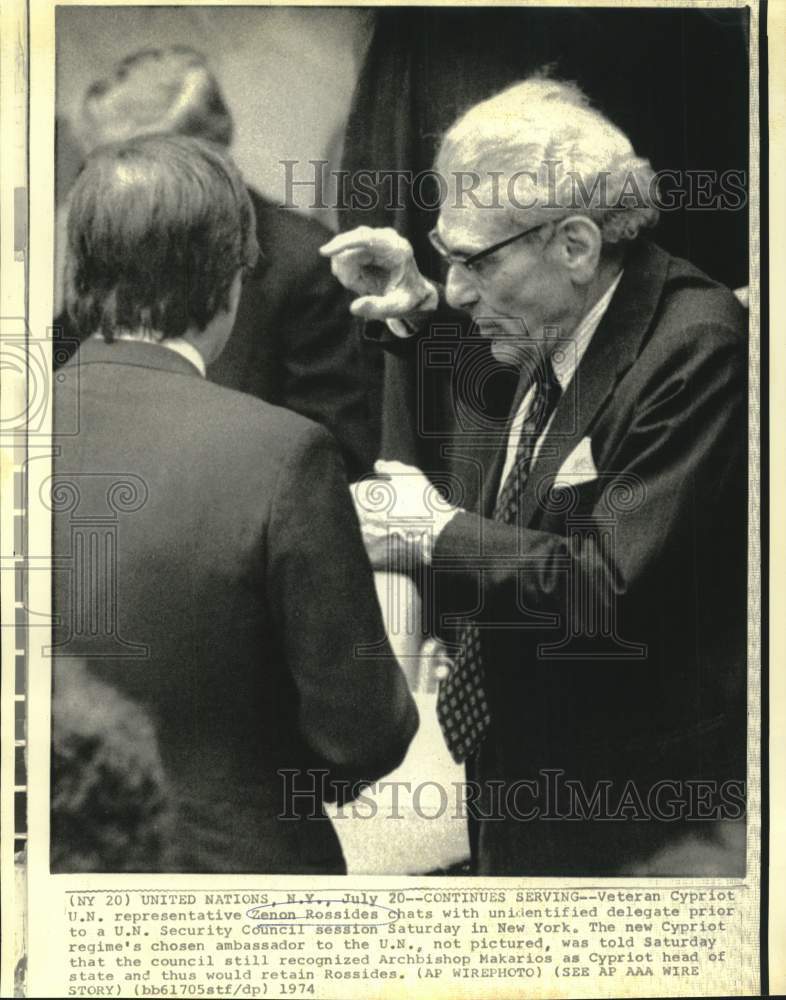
[293,343]
[210,565]
[614,615]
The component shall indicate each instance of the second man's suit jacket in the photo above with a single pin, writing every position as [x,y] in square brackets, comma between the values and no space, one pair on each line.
[613,615]
[294,343]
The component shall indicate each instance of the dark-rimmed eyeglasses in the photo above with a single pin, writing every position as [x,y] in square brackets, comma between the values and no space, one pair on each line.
[470,260]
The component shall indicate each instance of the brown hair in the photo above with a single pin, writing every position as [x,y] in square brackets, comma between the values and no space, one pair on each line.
[158,228]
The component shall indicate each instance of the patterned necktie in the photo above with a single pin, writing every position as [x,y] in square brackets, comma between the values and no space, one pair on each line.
[462,708]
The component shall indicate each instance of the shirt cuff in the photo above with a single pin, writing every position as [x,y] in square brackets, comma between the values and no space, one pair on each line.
[399,327]
[440,521]
[406,326]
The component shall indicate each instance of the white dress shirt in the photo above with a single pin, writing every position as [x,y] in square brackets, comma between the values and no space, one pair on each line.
[186,350]
[177,344]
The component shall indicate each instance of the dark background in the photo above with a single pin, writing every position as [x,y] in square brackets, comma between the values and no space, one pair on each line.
[675,81]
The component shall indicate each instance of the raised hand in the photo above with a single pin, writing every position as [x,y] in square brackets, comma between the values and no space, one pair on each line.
[380,267]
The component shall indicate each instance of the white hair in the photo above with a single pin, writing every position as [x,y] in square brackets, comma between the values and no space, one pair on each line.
[563,155]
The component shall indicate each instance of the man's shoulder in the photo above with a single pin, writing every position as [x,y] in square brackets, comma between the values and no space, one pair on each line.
[691,298]
[697,327]
[287,228]
[682,308]
[251,422]
[222,419]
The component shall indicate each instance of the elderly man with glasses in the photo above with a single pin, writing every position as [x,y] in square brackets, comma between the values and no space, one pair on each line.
[587,559]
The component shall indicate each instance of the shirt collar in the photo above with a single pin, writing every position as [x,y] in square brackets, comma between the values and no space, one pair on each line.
[177,344]
[565,359]
[187,351]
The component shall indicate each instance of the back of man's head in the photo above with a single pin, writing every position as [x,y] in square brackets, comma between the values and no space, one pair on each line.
[158,229]
[155,90]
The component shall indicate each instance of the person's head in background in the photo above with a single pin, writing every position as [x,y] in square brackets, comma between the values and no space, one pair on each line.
[153,90]
[160,232]
[110,804]
[167,89]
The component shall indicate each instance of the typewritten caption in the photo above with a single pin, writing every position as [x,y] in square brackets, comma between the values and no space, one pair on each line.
[282,943]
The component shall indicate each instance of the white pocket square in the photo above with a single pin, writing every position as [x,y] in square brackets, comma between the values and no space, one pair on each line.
[578,467]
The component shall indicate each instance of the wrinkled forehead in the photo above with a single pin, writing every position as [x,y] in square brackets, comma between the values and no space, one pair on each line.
[475,211]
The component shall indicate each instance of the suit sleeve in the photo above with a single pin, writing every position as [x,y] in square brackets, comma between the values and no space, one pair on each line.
[355,709]
[683,451]
[423,396]
[379,334]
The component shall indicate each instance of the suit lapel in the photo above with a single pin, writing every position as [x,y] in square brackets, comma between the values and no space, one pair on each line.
[614,347]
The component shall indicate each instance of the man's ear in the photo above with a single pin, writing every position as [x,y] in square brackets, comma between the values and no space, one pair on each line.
[579,246]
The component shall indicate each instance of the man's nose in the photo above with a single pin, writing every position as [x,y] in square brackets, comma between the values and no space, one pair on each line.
[460,289]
